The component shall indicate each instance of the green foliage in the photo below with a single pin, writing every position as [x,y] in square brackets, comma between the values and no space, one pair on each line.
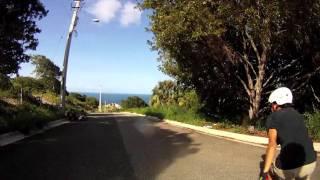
[26,117]
[82,102]
[17,32]
[313,124]
[78,96]
[28,85]
[91,103]
[165,93]
[173,113]
[168,93]
[133,102]
[5,83]
[47,73]
[50,97]
[7,94]
[233,52]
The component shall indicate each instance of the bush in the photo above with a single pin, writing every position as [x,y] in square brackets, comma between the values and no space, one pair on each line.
[133,102]
[50,97]
[78,96]
[82,102]
[7,94]
[313,124]
[5,83]
[3,125]
[172,112]
[91,103]
[28,116]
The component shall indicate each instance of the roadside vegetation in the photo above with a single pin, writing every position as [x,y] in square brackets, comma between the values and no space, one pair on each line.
[225,58]
[232,54]
[170,101]
[28,103]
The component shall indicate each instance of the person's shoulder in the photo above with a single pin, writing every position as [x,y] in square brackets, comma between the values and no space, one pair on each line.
[273,116]
[289,110]
[271,122]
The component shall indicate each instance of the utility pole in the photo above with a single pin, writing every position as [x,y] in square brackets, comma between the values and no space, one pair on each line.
[21,96]
[100,103]
[74,20]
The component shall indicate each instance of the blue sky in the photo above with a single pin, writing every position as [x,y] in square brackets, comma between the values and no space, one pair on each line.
[112,55]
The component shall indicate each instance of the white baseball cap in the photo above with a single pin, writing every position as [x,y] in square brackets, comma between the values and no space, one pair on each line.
[281,96]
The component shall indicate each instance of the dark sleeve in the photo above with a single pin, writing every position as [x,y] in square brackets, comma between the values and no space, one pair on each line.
[271,122]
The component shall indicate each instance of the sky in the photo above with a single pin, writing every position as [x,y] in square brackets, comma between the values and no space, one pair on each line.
[112,55]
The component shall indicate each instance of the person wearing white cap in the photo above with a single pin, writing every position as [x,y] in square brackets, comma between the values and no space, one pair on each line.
[285,126]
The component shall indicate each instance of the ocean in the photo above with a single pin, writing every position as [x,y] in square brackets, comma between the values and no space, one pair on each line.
[115,98]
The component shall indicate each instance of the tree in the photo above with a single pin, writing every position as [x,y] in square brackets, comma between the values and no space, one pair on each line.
[47,72]
[27,84]
[170,93]
[133,102]
[234,52]
[17,32]
[165,93]
[4,82]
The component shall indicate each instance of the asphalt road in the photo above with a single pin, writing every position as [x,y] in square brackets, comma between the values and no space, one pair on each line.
[126,147]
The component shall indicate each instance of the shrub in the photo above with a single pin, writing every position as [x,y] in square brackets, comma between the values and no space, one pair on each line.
[5,83]
[3,125]
[29,116]
[172,112]
[133,102]
[78,96]
[23,121]
[50,97]
[7,94]
[91,103]
[313,124]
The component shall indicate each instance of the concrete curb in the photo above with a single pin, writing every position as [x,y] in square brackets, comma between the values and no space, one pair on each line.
[15,136]
[239,137]
[248,139]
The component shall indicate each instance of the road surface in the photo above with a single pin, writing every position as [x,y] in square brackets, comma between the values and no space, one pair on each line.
[128,147]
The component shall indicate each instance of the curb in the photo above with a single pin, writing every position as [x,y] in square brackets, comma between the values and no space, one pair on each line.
[11,137]
[247,139]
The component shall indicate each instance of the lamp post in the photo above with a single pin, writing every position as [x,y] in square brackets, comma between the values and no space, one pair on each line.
[100,102]
[74,19]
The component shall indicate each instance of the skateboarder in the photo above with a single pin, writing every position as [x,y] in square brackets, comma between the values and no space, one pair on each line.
[285,126]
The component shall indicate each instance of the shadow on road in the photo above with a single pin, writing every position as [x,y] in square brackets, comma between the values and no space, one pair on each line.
[77,151]
[152,147]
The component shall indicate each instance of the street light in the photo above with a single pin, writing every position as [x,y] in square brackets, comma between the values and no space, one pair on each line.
[73,24]
[96,20]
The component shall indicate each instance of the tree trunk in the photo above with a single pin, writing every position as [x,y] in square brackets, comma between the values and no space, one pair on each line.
[255,95]
[254,105]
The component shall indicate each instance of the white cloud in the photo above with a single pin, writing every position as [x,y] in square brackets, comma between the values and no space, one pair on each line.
[105,10]
[130,14]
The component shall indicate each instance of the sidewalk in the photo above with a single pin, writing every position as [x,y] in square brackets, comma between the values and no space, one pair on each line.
[248,139]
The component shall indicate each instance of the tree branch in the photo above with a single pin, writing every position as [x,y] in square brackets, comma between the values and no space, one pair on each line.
[267,81]
[245,57]
[284,68]
[244,84]
[314,94]
[289,65]
[306,78]
[253,45]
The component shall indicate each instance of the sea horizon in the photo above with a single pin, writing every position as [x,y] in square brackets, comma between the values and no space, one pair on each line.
[115,97]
